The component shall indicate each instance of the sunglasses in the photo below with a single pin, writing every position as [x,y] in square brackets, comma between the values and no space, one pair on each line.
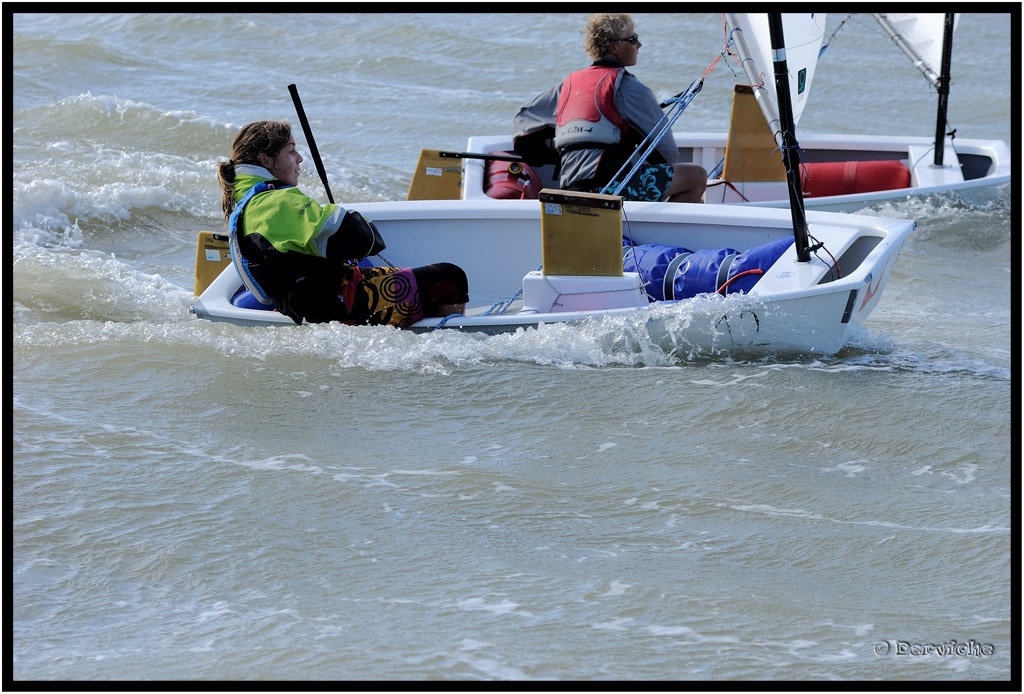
[632,40]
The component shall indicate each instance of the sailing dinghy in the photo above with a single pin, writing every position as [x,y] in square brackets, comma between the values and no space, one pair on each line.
[839,172]
[712,277]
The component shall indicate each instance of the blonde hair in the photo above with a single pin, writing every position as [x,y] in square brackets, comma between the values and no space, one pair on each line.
[602,29]
[261,137]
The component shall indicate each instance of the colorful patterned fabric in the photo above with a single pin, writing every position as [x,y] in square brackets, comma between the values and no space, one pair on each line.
[649,184]
[381,296]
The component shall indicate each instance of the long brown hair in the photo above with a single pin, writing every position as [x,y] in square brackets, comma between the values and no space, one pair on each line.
[262,137]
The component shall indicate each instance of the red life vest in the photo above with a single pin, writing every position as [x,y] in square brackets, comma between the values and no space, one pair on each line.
[586,113]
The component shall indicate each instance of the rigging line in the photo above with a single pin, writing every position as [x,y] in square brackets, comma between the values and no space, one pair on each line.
[728,51]
[670,100]
[736,190]
[841,25]
[505,305]
[713,63]
[679,103]
[753,271]
[728,34]
[440,323]
[717,171]
[629,230]
[834,265]
[632,249]
[651,141]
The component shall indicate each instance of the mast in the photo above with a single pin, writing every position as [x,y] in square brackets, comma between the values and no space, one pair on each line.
[943,88]
[789,143]
[925,64]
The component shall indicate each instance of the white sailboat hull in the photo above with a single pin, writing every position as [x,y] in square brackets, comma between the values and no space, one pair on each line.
[794,307]
[970,164]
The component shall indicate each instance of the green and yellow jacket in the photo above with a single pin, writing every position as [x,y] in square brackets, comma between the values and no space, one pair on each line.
[294,250]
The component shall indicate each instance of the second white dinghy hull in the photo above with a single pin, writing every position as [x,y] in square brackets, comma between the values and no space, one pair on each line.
[969,166]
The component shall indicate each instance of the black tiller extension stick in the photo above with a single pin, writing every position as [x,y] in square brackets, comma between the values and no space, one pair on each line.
[309,140]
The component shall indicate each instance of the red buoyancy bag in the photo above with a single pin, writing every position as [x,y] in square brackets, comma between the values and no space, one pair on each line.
[511,180]
[821,179]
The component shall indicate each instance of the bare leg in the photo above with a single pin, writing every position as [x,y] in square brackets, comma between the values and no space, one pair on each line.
[689,182]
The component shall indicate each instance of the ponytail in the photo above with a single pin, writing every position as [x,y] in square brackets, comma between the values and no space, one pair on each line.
[226,176]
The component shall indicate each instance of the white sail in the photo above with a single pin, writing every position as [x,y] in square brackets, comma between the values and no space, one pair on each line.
[919,35]
[803,33]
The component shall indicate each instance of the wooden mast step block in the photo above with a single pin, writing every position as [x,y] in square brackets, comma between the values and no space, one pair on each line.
[581,233]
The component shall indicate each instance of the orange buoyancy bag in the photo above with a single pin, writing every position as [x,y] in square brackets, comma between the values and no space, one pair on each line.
[821,179]
[511,180]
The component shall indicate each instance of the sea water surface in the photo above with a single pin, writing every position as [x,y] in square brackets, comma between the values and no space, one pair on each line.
[199,501]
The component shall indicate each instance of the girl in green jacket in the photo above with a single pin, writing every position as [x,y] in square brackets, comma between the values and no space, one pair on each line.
[304,256]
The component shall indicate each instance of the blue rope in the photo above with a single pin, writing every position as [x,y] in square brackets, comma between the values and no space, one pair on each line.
[506,305]
[717,171]
[447,318]
[488,312]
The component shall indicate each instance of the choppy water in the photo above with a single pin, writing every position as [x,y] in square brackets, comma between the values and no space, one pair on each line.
[202,501]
